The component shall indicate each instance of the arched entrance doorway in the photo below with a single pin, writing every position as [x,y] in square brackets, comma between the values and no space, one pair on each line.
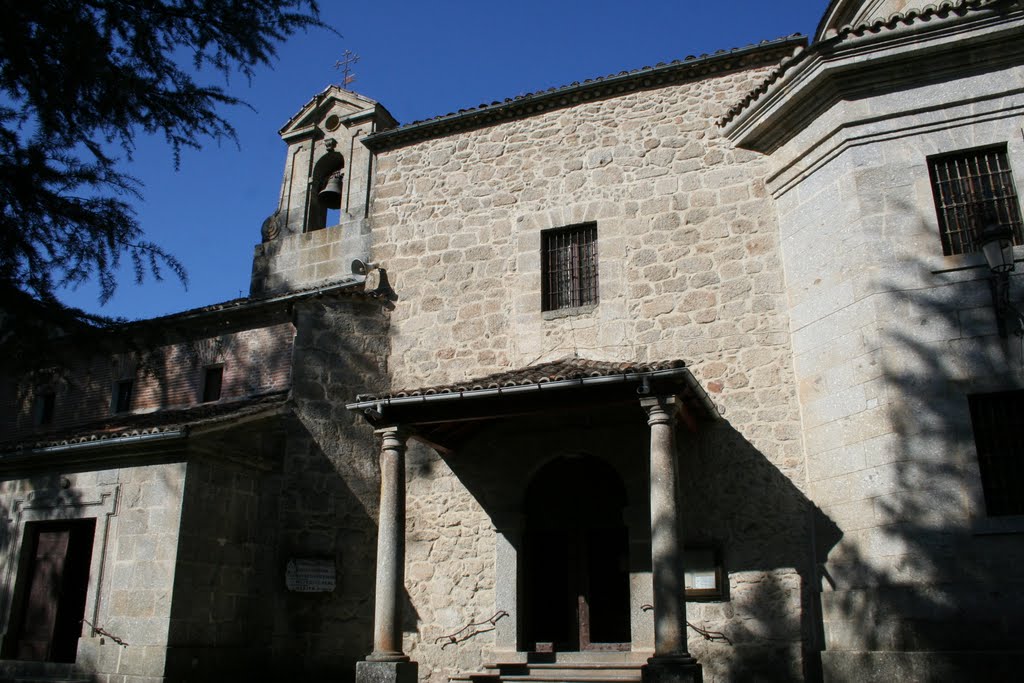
[575,558]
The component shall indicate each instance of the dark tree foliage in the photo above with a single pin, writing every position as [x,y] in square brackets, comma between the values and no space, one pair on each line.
[79,79]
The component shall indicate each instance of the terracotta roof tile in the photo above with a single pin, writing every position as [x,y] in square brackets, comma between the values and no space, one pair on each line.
[346,286]
[526,104]
[143,424]
[941,10]
[542,373]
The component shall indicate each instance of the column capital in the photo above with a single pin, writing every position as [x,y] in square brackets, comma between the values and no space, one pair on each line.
[660,409]
[394,436]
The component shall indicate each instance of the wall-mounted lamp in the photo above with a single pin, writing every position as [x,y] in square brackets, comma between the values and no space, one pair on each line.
[996,242]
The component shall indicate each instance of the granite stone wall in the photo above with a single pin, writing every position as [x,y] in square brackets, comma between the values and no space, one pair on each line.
[689,268]
[219,624]
[137,512]
[450,568]
[890,338]
[327,490]
[309,259]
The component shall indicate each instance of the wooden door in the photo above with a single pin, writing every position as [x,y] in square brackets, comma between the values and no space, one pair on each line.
[575,578]
[603,588]
[48,617]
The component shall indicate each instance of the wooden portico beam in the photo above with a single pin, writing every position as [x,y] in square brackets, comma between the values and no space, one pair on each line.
[533,399]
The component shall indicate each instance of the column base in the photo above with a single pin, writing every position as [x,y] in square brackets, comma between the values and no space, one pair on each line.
[684,669]
[386,672]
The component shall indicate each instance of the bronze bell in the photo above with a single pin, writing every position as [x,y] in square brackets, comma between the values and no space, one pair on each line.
[330,195]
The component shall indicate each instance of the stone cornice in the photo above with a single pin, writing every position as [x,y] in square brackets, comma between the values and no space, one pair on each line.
[661,75]
[336,92]
[865,60]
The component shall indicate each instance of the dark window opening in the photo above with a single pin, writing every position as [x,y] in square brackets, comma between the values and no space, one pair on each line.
[43,409]
[972,189]
[213,379]
[569,267]
[122,396]
[999,439]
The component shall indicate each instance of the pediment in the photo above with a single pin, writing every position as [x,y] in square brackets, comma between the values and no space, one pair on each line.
[333,101]
[853,12]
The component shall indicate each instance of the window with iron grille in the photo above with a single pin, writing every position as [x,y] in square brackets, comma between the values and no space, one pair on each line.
[971,189]
[569,267]
[999,439]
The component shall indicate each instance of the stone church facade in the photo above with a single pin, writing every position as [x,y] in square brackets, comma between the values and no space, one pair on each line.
[691,372]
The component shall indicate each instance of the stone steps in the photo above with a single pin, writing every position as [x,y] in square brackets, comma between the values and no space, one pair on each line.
[605,668]
[17,671]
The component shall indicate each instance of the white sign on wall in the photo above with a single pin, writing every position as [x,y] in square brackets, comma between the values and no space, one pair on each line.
[310,576]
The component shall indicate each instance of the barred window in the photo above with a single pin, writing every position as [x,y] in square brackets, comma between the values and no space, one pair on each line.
[971,189]
[569,267]
[999,439]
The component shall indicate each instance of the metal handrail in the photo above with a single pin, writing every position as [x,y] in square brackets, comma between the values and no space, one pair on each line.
[104,632]
[465,633]
[710,636]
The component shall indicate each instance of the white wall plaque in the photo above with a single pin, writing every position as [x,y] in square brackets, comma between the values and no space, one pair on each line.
[310,576]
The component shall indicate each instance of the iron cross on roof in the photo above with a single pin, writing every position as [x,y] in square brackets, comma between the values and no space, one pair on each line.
[348,59]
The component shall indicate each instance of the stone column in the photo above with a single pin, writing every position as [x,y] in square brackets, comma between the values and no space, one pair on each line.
[671,662]
[388,663]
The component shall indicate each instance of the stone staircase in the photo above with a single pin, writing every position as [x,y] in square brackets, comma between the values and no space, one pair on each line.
[562,667]
[15,671]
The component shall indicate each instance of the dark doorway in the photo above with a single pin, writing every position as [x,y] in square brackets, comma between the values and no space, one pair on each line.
[52,584]
[575,558]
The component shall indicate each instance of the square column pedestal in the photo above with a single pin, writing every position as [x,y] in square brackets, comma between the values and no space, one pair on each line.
[386,672]
[672,670]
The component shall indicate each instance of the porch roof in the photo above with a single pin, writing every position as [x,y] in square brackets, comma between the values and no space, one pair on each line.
[560,385]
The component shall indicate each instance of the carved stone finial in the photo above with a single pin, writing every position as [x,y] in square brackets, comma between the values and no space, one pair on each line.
[272,226]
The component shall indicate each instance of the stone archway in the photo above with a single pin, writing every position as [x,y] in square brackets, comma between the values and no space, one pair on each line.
[575,570]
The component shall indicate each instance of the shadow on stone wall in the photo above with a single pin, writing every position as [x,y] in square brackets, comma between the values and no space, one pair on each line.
[327,492]
[773,541]
[922,582]
[219,625]
[771,537]
[209,347]
[39,490]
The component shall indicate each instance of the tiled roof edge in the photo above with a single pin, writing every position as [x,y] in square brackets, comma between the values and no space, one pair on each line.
[564,369]
[833,36]
[352,286]
[91,435]
[575,93]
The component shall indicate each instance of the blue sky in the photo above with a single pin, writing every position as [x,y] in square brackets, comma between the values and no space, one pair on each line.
[419,59]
